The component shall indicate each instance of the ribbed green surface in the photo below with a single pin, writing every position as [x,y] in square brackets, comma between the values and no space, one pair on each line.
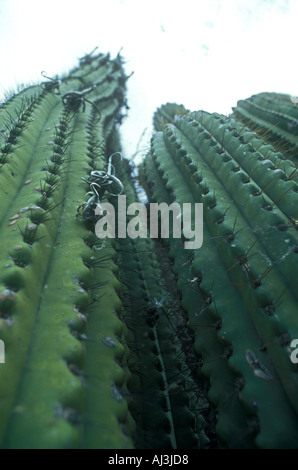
[245,275]
[165,397]
[54,393]
[137,342]
[274,117]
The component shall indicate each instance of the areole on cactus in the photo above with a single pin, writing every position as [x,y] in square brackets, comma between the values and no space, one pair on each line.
[125,342]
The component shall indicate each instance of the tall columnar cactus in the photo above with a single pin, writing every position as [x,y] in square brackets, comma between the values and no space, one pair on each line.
[240,289]
[58,386]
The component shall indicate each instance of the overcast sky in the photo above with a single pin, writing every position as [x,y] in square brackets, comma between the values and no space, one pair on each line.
[203,54]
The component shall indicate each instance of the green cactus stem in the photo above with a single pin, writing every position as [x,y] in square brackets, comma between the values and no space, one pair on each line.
[244,272]
[50,390]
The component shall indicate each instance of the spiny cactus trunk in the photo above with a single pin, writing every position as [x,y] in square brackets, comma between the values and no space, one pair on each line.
[60,375]
[240,290]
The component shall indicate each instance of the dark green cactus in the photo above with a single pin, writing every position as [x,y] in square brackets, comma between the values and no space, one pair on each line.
[166,400]
[137,342]
[274,117]
[243,304]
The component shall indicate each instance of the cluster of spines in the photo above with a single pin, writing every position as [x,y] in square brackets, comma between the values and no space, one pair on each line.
[14,126]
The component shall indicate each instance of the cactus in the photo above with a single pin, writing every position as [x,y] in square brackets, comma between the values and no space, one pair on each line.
[137,342]
[57,287]
[162,377]
[88,361]
[240,289]
[274,117]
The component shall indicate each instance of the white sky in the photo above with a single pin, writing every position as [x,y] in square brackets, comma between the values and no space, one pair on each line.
[203,54]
